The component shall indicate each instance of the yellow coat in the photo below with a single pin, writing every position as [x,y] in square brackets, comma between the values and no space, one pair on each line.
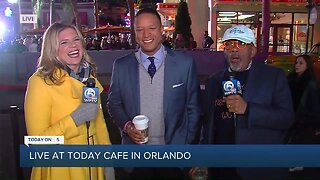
[48,111]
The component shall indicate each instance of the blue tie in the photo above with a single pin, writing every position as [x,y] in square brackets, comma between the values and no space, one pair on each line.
[152,67]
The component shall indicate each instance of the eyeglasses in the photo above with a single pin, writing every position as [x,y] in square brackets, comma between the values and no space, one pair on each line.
[238,44]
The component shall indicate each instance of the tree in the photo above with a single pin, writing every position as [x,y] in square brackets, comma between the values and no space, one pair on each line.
[37,8]
[183,20]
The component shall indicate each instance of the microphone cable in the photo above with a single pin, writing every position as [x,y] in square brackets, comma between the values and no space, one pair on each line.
[232,77]
[88,142]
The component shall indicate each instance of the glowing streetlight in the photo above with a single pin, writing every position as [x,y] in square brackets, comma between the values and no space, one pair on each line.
[16,15]
[13,1]
[8,12]
[2,30]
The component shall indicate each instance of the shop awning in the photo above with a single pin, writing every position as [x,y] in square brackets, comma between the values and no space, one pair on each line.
[108,28]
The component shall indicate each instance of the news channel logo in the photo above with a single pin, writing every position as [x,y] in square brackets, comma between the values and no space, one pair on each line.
[90,95]
[229,87]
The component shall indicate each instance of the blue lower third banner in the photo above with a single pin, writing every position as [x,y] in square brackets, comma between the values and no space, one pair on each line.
[170,155]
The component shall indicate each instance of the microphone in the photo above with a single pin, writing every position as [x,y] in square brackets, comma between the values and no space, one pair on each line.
[232,87]
[90,94]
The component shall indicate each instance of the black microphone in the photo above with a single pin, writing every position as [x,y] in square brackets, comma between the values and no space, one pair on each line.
[232,87]
[90,94]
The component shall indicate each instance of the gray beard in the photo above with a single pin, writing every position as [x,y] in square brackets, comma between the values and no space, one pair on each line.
[236,68]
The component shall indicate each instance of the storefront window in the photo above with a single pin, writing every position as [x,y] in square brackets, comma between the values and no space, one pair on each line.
[247,17]
[288,31]
[299,38]
[237,17]
[300,33]
[300,18]
[271,39]
[283,39]
[227,19]
[221,28]
[281,18]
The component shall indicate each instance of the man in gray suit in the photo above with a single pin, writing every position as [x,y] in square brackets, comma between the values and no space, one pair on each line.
[156,82]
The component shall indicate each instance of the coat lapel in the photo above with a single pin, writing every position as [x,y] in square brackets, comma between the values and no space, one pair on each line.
[169,74]
[76,87]
[133,69]
[250,87]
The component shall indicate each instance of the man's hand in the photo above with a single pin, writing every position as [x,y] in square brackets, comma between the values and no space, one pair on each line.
[134,134]
[236,104]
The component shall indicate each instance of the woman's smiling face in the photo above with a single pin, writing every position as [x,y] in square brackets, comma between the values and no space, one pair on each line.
[70,49]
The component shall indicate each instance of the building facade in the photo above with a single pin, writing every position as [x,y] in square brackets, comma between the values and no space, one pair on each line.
[288,27]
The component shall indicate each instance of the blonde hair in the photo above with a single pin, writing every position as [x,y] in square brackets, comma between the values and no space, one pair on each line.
[49,62]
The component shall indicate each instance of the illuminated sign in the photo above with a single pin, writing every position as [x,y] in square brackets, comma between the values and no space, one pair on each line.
[28,18]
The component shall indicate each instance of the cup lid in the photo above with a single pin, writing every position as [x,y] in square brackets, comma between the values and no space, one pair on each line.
[140,119]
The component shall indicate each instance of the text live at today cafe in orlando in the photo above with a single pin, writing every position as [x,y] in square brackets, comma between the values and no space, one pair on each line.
[43,151]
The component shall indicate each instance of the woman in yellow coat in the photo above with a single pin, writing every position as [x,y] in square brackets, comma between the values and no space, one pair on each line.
[53,102]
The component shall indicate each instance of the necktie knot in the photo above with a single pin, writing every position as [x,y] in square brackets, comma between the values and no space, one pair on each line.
[151,59]
[152,67]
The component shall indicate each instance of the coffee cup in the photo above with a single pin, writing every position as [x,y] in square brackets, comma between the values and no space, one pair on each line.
[141,123]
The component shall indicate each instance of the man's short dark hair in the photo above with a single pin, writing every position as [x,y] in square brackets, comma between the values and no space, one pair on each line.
[149,11]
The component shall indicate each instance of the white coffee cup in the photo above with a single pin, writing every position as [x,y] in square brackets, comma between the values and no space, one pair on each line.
[141,123]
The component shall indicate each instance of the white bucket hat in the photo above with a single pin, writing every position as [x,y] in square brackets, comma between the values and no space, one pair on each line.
[241,33]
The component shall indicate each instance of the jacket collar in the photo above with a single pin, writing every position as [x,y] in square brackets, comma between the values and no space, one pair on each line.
[75,85]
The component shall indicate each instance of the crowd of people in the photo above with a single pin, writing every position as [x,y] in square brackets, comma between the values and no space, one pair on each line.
[19,45]
[163,85]
[111,42]
[119,41]
[114,41]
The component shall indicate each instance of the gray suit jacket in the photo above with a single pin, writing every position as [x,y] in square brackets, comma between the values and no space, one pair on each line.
[181,88]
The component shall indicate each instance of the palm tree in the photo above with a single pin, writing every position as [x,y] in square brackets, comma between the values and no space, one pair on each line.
[37,7]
